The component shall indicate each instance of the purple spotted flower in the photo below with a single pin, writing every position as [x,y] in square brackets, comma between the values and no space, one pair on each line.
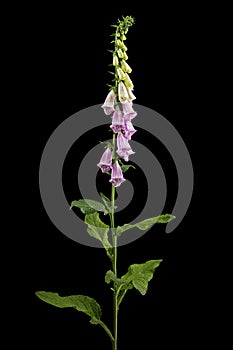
[108,105]
[128,109]
[118,122]
[116,176]
[129,129]
[123,148]
[105,163]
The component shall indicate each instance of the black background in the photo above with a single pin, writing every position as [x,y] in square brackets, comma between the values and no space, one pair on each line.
[65,70]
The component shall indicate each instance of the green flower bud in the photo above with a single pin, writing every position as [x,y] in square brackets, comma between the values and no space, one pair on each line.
[125,56]
[119,43]
[128,81]
[123,37]
[126,30]
[116,61]
[125,67]
[120,53]
[124,47]
[121,74]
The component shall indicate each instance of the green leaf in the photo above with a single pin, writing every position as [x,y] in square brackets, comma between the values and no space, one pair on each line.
[110,276]
[145,224]
[140,274]
[107,202]
[99,230]
[125,167]
[105,199]
[88,206]
[81,303]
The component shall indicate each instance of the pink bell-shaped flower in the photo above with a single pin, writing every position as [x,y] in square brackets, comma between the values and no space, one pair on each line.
[116,176]
[108,105]
[105,163]
[123,148]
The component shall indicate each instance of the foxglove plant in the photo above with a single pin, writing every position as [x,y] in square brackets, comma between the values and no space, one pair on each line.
[119,104]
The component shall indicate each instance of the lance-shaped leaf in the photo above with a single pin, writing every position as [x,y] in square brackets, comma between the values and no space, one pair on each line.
[140,274]
[81,303]
[88,206]
[146,224]
[99,230]
[125,167]
[107,203]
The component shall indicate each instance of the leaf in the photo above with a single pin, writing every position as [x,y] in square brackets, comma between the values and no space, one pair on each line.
[88,206]
[125,167]
[145,224]
[107,202]
[105,199]
[81,303]
[141,274]
[99,230]
[110,276]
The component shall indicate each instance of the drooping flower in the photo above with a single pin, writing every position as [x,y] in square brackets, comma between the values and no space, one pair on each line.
[105,163]
[116,175]
[125,67]
[130,94]
[123,148]
[128,110]
[122,92]
[108,105]
[121,74]
[128,81]
[118,122]
[129,129]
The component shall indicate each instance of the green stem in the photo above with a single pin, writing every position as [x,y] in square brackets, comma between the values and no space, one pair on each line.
[102,324]
[114,259]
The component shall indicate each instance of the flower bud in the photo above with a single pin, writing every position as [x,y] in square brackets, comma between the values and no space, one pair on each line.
[123,37]
[115,61]
[120,53]
[130,94]
[124,47]
[125,67]
[126,30]
[128,81]
[121,74]
[125,56]
[119,43]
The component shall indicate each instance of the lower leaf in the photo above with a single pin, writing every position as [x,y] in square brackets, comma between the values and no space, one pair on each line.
[81,303]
